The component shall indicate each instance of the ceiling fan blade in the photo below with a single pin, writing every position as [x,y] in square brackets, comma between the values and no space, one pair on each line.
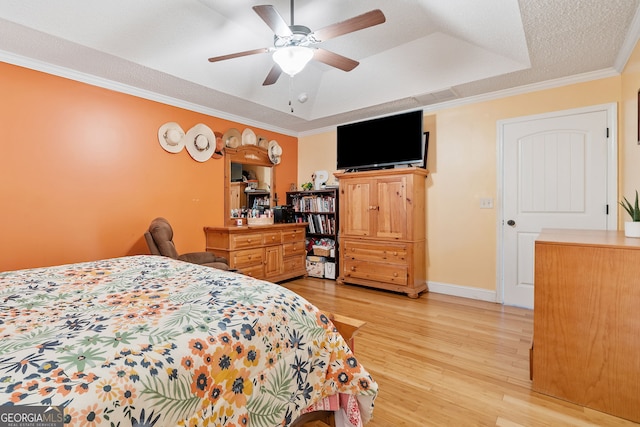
[273,19]
[335,60]
[239,54]
[356,23]
[273,75]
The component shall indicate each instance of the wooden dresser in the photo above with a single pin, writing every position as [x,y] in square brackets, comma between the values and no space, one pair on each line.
[586,320]
[270,252]
[383,229]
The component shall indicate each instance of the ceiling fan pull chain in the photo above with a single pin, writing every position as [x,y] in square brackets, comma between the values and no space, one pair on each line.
[291,89]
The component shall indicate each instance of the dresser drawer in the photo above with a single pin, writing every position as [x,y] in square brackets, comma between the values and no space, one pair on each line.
[293,248]
[376,252]
[239,241]
[271,237]
[380,272]
[296,234]
[255,271]
[295,263]
[247,257]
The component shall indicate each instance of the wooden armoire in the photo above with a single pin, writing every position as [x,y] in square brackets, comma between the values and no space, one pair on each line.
[383,229]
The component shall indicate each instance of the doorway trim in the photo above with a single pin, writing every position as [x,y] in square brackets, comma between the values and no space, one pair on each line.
[612,175]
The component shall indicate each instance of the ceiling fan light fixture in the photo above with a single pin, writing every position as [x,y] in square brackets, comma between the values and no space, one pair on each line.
[292,59]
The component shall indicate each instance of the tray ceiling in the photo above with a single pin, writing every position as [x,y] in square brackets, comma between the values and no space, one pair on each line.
[428,52]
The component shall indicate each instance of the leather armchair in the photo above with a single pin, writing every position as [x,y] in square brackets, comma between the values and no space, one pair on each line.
[159,238]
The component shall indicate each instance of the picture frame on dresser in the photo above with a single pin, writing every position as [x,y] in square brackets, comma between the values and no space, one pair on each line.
[425,151]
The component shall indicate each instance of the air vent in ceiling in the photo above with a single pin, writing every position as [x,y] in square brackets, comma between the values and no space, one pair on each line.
[435,97]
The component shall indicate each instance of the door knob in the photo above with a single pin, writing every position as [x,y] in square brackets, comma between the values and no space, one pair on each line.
[511,222]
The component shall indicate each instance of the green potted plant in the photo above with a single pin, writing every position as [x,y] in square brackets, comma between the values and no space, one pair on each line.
[632,228]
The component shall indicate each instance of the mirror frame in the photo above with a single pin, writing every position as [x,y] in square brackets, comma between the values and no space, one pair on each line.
[247,155]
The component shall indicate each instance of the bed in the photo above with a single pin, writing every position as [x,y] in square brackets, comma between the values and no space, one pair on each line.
[147,340]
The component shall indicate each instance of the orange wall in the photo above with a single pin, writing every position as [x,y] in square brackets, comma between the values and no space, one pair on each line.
[83,173]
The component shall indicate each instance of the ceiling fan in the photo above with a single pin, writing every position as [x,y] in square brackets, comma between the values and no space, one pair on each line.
[295,45]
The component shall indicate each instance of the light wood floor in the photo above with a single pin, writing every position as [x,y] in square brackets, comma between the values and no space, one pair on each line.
[446,361]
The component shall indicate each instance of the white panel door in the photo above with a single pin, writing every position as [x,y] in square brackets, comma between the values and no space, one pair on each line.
[555,175]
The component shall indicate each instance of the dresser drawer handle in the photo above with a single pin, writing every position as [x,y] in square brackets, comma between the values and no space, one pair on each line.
[395,254]
[248,240]
[395,274]
[353,269]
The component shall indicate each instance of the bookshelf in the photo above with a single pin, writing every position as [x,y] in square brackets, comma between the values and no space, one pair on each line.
[258,199]
[318,208]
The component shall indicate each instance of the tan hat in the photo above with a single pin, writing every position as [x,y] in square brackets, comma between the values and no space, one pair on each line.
[275,152]
[263,142]
[219,151]
[232,138]
[171,137]
[200,142]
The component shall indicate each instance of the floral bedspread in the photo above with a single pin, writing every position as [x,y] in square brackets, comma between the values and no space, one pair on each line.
[147,340]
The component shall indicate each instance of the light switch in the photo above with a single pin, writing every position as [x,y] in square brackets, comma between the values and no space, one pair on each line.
[486,203]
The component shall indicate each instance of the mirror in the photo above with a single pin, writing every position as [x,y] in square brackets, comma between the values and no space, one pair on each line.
[249,181]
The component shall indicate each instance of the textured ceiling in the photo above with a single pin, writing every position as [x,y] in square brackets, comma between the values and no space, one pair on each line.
[426,53]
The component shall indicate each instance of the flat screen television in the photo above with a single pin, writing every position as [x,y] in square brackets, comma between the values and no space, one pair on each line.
[381,142]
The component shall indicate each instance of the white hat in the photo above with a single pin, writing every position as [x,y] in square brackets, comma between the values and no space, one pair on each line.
[275,152]
[171,137]
[200,142]
[249,137]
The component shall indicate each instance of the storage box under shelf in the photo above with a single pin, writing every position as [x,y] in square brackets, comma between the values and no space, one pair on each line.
[315,266]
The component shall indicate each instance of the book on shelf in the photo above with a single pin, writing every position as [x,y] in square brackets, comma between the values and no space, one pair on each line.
[321,224]
[313,203]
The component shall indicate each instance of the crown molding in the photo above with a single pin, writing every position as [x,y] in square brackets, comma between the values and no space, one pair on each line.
[534,87]
[92,80]
[520,90]
[629,43]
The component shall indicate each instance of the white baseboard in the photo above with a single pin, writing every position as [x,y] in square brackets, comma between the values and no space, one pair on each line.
[463,291]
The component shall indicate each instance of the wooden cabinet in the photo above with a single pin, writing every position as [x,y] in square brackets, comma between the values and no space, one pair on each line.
[378,207]
[270,252]
[273,261]
[586,323]
[383,229]
[237,197]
